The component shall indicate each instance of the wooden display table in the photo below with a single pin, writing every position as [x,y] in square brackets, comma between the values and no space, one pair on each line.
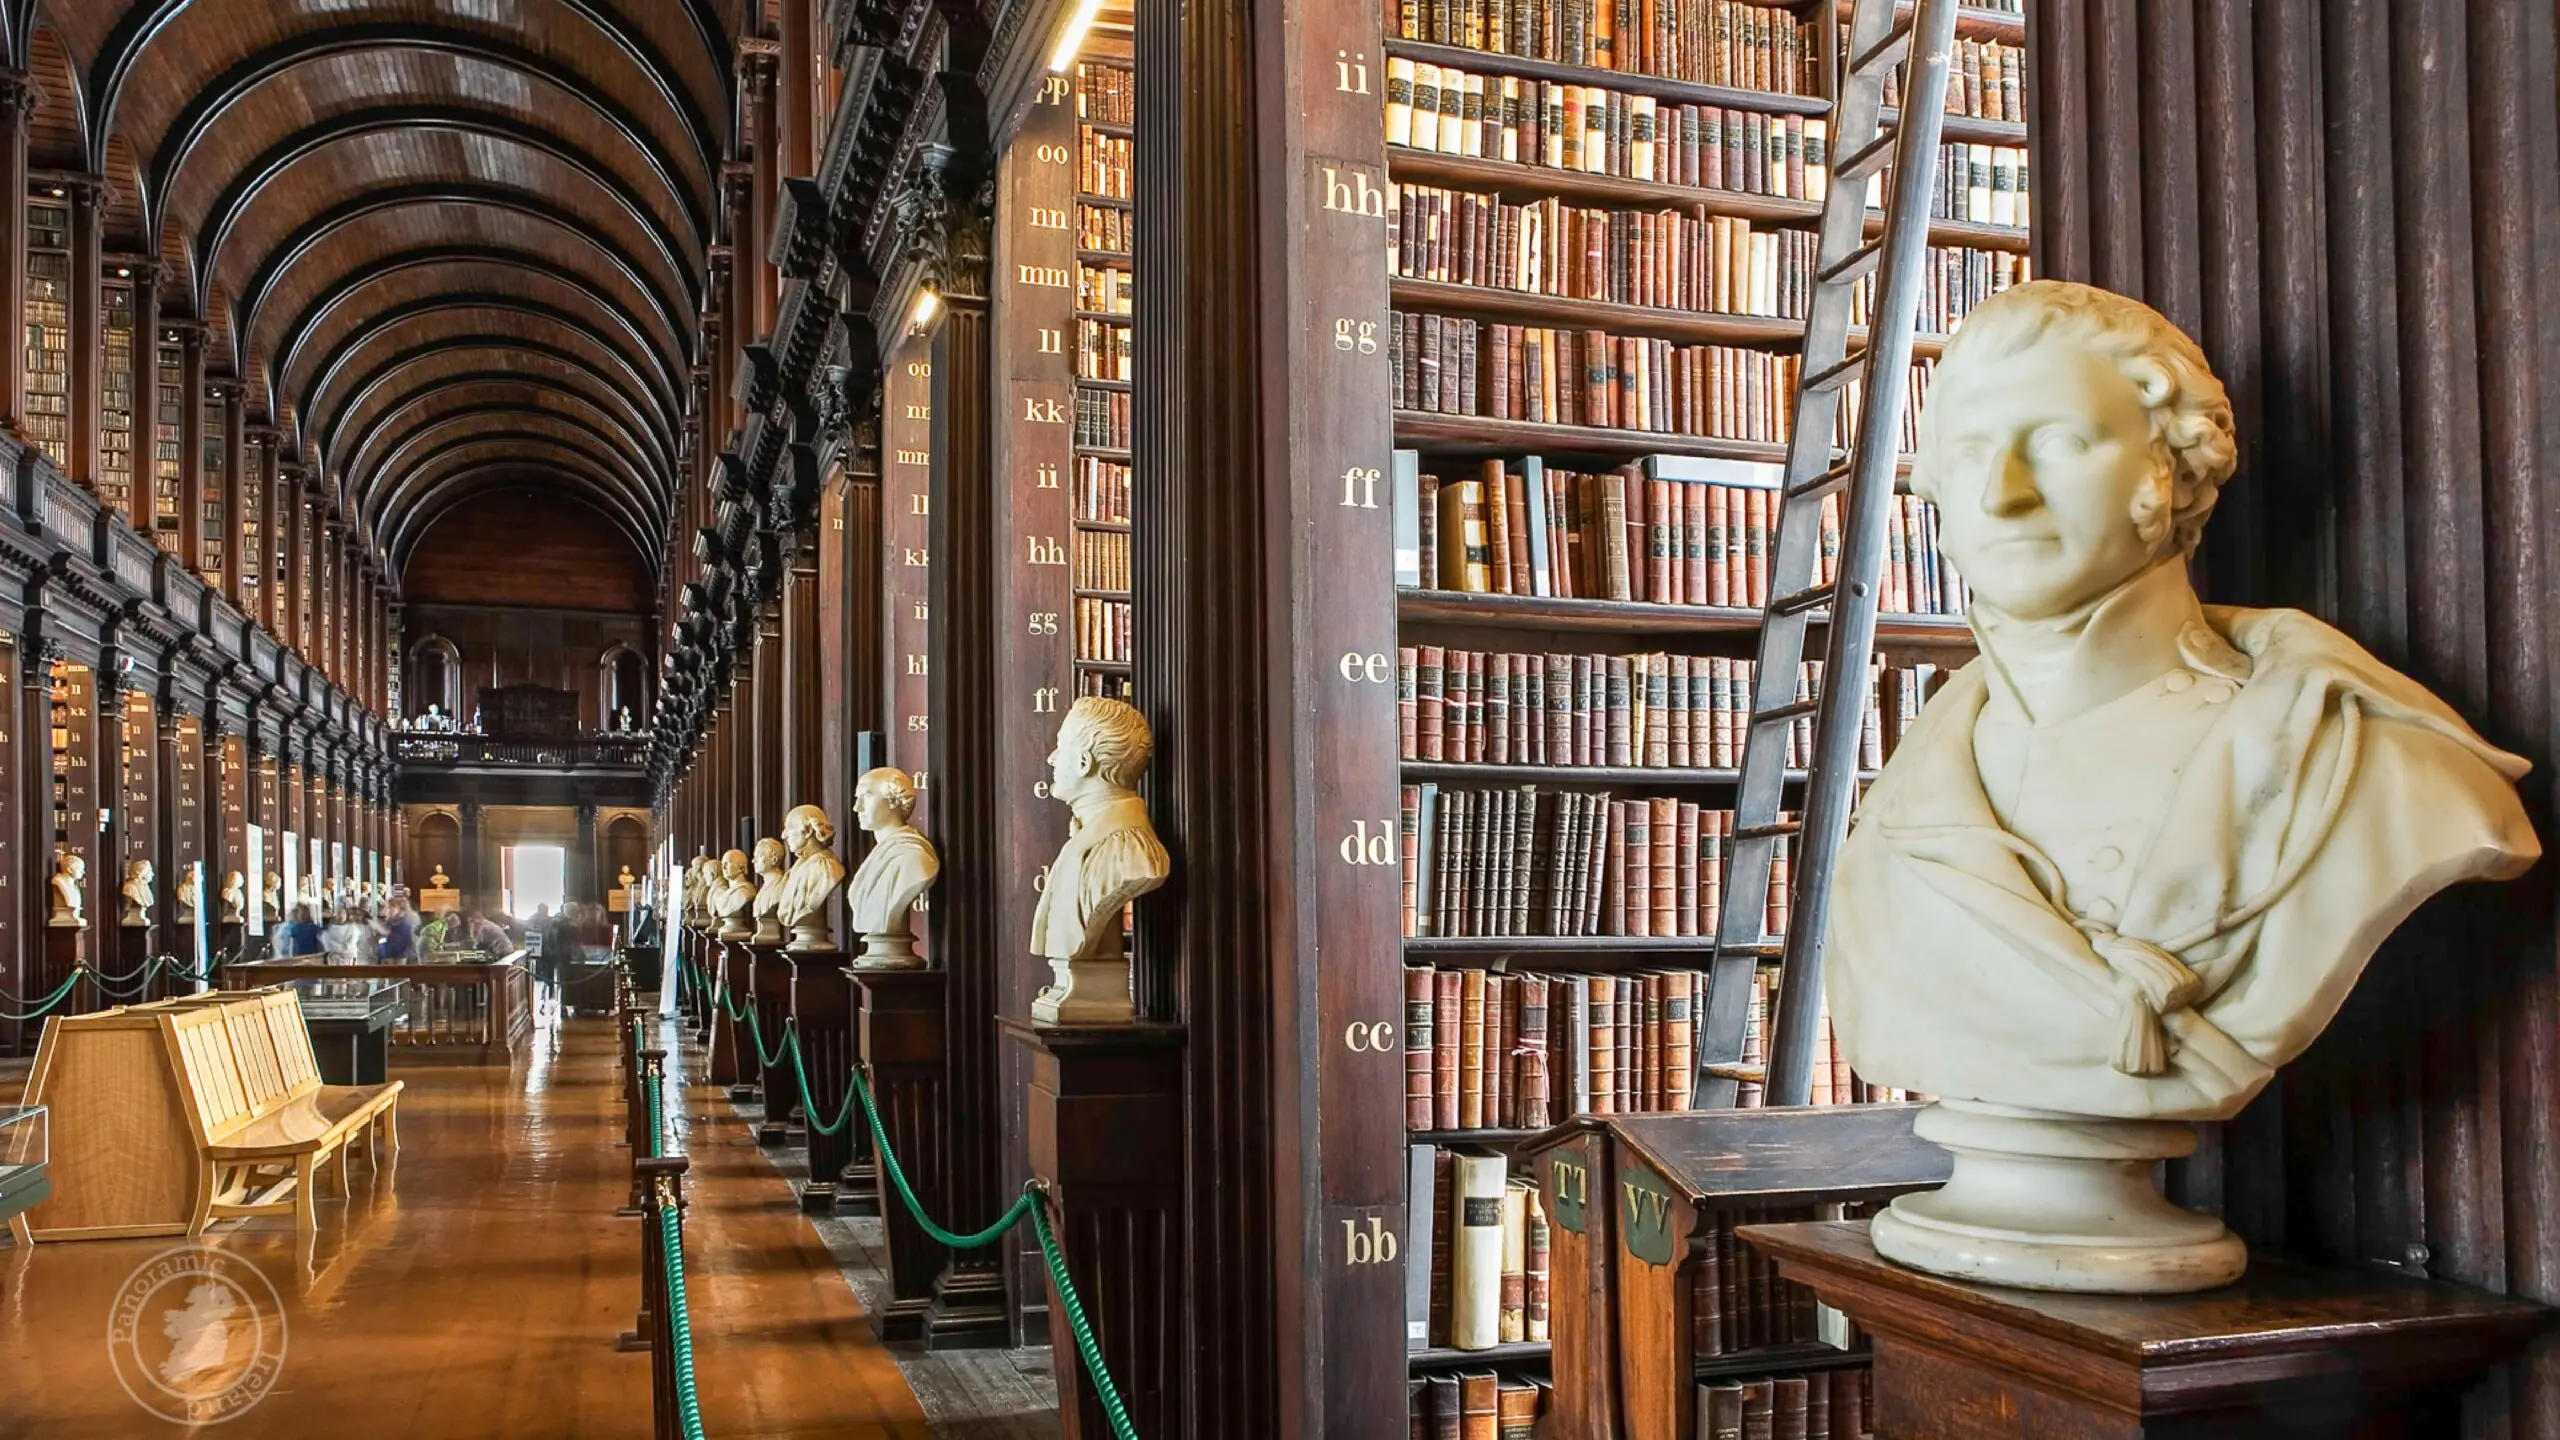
[2291,1350]
[351,1023]
[459,1012]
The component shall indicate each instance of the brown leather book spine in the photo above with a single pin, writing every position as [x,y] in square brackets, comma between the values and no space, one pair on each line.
[1515,499]
[1534,1111]
[1471,1050]
[1787,1408]
[1444,1270]
[1447,1003]
[1538,1287]
[1448,1410]
[1817,1407]
[1480,1401]
[1516,1410]
[1639,868]
[1430,728]
[1664,830]
[1706,1303]
[1759,1410]
[1720,1411]
[1497,485]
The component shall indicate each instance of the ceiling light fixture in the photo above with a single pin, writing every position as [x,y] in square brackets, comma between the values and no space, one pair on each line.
[928,305]
[1071,39]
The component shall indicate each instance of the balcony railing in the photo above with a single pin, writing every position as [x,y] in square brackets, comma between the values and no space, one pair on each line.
[594,752]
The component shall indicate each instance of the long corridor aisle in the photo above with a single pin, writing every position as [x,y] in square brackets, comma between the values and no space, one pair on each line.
[476,1289]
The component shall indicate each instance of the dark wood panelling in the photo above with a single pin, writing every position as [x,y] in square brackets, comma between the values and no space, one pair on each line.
[527,548]
[2355,207]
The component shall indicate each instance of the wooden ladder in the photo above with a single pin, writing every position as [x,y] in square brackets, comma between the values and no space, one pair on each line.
[1921,40]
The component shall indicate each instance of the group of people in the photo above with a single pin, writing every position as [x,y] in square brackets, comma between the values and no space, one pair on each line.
[386,931]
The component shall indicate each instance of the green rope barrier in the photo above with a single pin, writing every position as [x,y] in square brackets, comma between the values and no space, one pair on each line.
[671,1250]
[1088,1346]
[61,992]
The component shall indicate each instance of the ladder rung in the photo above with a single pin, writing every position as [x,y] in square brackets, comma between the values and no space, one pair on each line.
[1811,598]
[1774,830]
[1890,49]
[1793,710]
[1866,160]
[1742,1074]
[1855,264]
[1757,950]
[1828,480]
[1838,373]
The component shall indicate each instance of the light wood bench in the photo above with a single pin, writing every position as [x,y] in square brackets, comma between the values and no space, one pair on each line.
[267,1119]
[171,1115]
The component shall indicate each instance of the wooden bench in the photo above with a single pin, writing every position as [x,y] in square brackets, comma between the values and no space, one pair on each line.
[170,1115]
[268,1119]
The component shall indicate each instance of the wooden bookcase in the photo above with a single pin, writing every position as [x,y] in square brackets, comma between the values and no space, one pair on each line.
[48,337]
[168,427]
[1430,187]
[119,412]
[213,496]
[1103,319]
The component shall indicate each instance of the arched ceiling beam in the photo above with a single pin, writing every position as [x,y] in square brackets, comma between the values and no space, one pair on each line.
[669,364]
[624,440]
[114,66]
[633,401]
[312,232]
[477,478]
[237,198]
[422,486]
[404,453]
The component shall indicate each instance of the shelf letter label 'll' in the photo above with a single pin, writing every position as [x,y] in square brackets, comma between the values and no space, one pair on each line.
[1361,847]
[1371,667]
[1368,1242]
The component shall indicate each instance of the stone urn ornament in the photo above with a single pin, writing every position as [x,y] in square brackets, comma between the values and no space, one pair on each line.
[2132,858]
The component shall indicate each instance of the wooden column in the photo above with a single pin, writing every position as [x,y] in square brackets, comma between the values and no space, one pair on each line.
[768,729]
[904,645]
[968,807]
[235,480]
[758,61]
[738,184]
[801,117]
[803,698]
[291,519]
[33,785]
[191,439]
[17,104]
[1033,308]
[88,326]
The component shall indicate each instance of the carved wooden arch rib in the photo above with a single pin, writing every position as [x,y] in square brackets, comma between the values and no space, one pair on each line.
[468,484]
[328,420]
[515,420]
[413,24]
[568,456]
[432,402]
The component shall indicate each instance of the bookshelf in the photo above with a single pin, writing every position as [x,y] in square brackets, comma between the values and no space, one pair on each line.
[213,495]
[1597,274]
[117,411]
[1105,109]
[48,337]
[168,428]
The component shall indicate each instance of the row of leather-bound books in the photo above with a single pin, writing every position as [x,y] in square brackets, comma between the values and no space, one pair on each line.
[1102,164]
[1517,861]
[1102,419]
[1595,130]
[1475,1405]
[1670,530]
[1683,258]
[1103,351]
[1713,42]
[1487,1050]
[1102,560]
[1105,289]
[1106,94]
[1102,490]
[1476,1247]
[1103,229]
[1646,711]
[1103,630]
[1985,80]
[1817,1405]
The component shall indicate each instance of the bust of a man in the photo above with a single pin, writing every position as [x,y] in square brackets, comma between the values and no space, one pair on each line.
[2132,858]
[815,874]
[70,906]
[137,893]
[275,895]
[1111,857]
[880,899]
[190,892]
[701,878]
[235,897]
[735,898]
[769,861]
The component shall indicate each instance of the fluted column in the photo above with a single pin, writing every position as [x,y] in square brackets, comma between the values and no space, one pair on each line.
[191,439]
[17,103]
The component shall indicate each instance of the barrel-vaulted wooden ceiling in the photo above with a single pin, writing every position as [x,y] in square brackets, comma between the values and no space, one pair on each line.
[450,245]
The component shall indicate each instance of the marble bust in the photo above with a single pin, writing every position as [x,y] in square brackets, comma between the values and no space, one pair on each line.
[275,896]
[70,907]
[2132,858]
[190,892]
[137,893]
[701,878]
[1111,857]
[235,897]
[815,874]
[881,897]
[733,898]
[769,861]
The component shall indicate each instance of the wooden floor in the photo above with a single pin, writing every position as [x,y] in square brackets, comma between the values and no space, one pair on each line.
[476,1289]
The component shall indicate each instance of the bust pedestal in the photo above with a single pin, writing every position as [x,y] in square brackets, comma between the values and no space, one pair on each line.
[2289,1351]
[888,952]
[731,970]
[770,983]
[1106,1125]
[1087,992]
[902,1053]
[822,1015]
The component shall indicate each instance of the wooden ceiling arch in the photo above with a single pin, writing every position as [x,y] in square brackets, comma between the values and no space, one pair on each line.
[449,248]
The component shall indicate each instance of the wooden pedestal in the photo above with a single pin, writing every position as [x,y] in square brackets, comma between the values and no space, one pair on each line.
[65,950]
[902,1053]
[732,968]
[769,972]
[822,1009]
[2290,1351]
[132,957]
[1106,1134]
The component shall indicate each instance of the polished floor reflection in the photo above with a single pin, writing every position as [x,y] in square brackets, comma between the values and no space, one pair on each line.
[475,1288]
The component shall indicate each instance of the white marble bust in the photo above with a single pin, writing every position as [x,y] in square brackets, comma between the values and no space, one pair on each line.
[2132,858]
[275,896]
[137,893]
[1111,857]
[770,859]
[70,907]
[881,897]
[815,874]
[235,897]
[190,892]
[701,879]
[734,897]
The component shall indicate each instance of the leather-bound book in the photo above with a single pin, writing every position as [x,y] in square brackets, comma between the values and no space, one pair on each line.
[1516,1410]
[1447,1000]
[1514,1323]
[1720,1411]
[1419,985]
[1475,1313]
[1444,1242]
[1471,1050]
[1817,1407]
[1538,1280]
[1848,1403]
[1417,1409]
[1480,1401]
[1759,1410]
[1447,1414]
[1787,1408]
[1706,1302]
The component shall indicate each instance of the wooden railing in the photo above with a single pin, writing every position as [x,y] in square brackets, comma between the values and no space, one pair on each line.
[592,752]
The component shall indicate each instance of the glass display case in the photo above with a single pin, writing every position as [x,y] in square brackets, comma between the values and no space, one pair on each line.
[26,1136]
